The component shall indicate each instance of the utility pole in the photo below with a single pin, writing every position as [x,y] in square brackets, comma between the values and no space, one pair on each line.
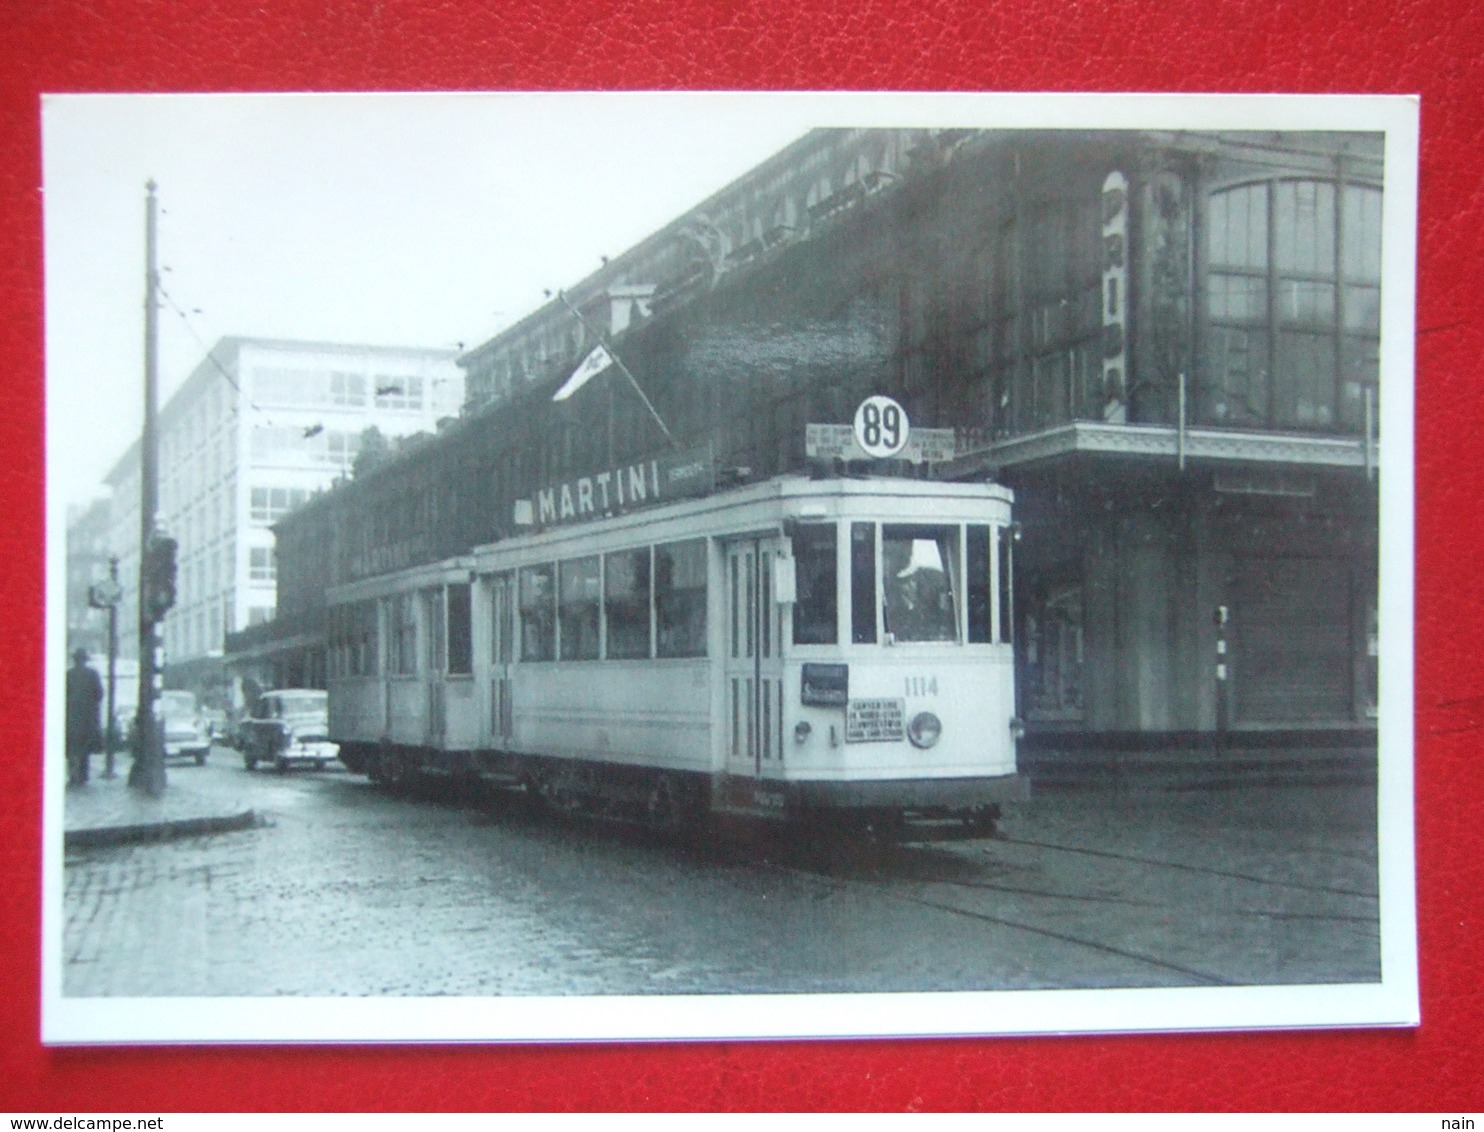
[110,725]
[148,770]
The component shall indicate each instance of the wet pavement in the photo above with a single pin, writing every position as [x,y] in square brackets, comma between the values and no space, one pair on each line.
[107,811]
[343,889]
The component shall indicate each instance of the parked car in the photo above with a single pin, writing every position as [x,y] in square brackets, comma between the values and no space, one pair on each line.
[216,723]
[187,734]
[288,726]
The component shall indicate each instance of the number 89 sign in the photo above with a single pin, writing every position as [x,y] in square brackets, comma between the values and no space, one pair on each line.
[881,427]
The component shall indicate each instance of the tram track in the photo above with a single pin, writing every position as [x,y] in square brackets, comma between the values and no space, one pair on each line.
[1129,902]
[1330,890]
[923,877]
[886,889]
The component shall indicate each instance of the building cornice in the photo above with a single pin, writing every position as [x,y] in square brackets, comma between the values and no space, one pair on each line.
[1167,442]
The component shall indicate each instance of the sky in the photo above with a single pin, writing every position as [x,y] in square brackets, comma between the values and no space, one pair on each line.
[403,220]
[431,220]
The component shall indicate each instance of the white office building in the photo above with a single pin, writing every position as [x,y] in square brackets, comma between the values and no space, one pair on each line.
[258,427]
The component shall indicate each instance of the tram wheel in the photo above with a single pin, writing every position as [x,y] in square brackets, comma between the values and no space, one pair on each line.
[387,768]
[662,810]
[984,820]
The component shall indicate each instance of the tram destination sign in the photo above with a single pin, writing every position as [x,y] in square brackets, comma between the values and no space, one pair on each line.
[838,442]
[616,491]
[875,721]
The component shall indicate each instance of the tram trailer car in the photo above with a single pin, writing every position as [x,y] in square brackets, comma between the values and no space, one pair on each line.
[795,649]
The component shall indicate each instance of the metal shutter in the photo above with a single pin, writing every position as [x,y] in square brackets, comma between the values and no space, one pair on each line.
[1291,623]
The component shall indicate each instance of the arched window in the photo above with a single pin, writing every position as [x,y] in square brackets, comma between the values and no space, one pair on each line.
[1293,310]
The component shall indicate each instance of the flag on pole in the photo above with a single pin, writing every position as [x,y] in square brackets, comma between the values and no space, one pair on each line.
[592,365]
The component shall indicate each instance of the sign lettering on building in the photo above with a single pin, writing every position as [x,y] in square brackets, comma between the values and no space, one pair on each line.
[387,558]
[1115,296]
[614,491]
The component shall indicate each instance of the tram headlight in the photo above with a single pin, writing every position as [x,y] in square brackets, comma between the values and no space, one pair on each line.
[801,731]
[924,730]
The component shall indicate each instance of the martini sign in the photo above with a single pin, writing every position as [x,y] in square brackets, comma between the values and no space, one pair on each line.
[881,431]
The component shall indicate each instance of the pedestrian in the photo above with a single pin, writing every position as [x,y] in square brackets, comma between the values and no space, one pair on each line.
[84,694]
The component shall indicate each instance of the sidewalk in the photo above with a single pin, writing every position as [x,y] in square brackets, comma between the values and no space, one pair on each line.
[106,812]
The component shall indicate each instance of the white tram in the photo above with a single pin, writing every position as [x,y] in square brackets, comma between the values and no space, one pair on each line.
[792,648]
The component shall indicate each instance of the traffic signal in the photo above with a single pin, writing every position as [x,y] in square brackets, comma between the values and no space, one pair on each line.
[159,576]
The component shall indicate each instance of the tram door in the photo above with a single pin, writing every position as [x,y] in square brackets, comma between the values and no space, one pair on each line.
[754,661]
[502,654]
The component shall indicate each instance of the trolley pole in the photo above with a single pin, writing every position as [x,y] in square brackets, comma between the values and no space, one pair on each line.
[148,770]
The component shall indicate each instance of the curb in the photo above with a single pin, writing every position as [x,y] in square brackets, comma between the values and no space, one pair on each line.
[157,831]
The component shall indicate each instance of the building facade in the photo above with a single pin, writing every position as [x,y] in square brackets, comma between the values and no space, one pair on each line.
[1166,343]
[258,427]
[88,532]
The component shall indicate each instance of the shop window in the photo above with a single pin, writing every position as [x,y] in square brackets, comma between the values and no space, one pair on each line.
[1053,650]
[815,606]
[680,598]
[1292,304]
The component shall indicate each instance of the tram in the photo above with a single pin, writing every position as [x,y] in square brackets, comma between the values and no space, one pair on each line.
[798,649]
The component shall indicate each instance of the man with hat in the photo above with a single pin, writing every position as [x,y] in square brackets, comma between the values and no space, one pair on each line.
[84,694]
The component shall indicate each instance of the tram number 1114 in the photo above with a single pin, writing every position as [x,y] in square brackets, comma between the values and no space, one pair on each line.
[922,685]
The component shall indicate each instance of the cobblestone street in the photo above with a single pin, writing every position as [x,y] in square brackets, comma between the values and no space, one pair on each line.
[347,890]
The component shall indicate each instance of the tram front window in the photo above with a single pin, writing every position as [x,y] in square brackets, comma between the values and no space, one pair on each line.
[814,608]
[917,582]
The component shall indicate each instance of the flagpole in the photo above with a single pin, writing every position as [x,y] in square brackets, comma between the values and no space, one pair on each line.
[623,369]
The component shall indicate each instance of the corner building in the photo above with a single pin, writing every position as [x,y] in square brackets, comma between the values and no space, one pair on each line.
[258,427]
[1165,343]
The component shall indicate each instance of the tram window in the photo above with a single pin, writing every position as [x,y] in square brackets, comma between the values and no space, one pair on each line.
[363,643]
[977,593]
[337,633]
[1007,591]
[680,598]
[433,618]
[815,605]
[580,588]
[863,583]
[537,614]
[402,647]
[916,582]
[460,630]
[626,604]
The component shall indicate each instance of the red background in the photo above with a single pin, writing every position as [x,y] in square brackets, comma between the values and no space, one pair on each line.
[1331,46]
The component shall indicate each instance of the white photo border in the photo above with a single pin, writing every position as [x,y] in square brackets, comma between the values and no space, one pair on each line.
[1393,1001]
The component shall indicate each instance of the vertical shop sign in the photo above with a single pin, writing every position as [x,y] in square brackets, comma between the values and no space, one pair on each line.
[1115,296]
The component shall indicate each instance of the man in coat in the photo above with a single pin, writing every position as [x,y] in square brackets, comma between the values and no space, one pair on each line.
[84,694]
